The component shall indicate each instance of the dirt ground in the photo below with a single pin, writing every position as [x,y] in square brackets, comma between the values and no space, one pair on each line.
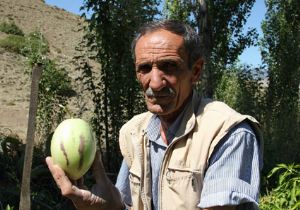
[60,28]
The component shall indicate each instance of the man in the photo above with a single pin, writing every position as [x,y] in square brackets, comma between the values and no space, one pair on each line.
[186,152]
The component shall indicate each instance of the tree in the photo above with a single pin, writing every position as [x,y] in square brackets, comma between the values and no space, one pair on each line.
[116,94]
[280,53]
[220,26]
[243,88]
[25,201]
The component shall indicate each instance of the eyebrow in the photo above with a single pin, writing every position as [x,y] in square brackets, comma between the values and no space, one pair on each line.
[176,60]
[170,60]
[143,64]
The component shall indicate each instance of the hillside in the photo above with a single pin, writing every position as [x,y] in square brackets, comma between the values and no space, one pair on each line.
[60,28]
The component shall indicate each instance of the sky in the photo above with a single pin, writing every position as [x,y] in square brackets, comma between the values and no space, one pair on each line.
[249,56]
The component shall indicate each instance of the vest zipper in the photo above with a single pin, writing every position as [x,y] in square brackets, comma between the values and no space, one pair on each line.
[143,193]
[164,160]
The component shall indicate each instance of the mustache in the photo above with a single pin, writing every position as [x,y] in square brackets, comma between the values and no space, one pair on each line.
[166,92]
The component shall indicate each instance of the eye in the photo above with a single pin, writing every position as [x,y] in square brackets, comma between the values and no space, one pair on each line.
[144,68]
[168,66]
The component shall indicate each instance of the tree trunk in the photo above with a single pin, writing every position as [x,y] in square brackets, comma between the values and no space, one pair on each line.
[205,33]
[25,203]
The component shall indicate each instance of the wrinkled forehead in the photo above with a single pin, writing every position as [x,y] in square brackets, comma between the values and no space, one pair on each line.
[160,41]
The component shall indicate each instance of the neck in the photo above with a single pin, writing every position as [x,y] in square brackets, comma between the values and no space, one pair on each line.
[167,120]
[163,134]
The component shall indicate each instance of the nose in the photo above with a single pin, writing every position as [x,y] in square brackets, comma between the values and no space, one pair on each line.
[157,81]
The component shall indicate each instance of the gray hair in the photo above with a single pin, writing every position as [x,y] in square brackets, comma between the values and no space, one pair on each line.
[190,37]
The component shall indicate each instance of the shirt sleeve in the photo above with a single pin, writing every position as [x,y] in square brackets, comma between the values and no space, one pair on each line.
[123,184]
[233,174]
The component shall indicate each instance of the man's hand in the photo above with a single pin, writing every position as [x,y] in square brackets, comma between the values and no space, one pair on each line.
[103,195]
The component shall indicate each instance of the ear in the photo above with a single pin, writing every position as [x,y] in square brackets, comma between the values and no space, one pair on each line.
[197,70]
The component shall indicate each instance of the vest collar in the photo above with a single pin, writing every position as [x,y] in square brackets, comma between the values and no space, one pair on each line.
[189,118]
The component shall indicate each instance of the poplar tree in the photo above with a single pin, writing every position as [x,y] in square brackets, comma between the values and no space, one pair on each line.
[116,94]
[280,44]
[220,25]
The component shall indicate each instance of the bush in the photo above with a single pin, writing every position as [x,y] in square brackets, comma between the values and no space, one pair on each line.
[44,192]
[11,28]
[287,193]
[54,88]
[55,84]
[33,46]
[36,48]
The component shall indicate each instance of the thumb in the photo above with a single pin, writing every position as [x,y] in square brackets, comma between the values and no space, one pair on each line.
[80,183]
[98,168]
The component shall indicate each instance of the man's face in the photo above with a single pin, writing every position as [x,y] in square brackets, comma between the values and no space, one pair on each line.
[162,69]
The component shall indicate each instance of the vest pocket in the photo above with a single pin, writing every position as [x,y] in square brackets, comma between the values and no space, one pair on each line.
[135,182]
[135,188]
[183,187]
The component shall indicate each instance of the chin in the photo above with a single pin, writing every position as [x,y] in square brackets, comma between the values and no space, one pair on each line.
[159,110]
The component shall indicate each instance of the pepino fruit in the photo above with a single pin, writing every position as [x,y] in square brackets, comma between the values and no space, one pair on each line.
[73,147]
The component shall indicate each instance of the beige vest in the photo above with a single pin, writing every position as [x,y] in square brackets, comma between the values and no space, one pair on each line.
[180,183]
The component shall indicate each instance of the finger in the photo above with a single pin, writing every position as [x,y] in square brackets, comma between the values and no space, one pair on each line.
[78,196]
[82,197]
[55,170]
[60,177]
[50,163]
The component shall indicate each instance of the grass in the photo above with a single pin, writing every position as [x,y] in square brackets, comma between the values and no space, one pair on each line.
[13,43]
[29,45]
[11,28]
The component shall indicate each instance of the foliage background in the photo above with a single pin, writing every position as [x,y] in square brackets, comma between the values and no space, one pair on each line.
[269,92]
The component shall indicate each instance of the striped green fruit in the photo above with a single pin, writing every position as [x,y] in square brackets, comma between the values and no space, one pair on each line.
[73,147]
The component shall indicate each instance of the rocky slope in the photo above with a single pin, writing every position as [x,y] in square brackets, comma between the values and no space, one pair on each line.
[60,28]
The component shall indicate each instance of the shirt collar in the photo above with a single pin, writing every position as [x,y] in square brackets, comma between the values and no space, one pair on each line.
[153,128]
